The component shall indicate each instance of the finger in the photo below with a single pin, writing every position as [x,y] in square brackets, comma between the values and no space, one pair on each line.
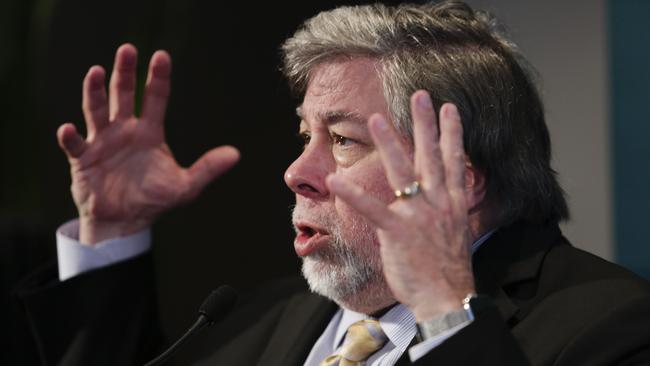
[122,85]
[373,209]
[70,141]
[94,103]
[157,88]
[209,166]
[397,164]
[428,158]
[453,153]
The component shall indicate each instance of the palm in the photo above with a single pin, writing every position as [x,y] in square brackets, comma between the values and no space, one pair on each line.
[124,174]
[127,164]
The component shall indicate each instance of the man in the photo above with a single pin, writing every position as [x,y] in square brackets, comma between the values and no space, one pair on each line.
[426,210]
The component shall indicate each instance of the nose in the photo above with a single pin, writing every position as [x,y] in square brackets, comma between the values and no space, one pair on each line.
[306,175]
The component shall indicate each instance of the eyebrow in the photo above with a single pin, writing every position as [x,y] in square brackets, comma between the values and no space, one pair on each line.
[335,116]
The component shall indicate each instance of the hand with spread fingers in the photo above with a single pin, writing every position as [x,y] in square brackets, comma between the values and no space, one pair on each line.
[123,173]
[424,233]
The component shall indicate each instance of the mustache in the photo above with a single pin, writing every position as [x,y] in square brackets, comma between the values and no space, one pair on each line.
[324,219]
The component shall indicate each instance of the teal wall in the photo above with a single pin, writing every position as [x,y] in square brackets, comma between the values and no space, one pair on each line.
[629,43]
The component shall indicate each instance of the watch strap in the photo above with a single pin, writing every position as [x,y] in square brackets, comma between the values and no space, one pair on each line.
[432,327]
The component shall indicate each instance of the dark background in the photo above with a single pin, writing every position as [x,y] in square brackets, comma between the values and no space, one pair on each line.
[226,88]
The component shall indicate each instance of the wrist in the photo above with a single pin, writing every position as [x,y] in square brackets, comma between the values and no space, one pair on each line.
[433,310]
[92,231]
[437,303]
[448,321]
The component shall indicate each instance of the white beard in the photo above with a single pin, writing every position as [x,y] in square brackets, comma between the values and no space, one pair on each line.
[348,270]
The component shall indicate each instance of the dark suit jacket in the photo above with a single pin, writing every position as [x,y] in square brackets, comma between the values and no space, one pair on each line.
[553,305]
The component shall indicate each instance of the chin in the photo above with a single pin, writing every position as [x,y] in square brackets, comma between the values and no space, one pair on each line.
[354,286]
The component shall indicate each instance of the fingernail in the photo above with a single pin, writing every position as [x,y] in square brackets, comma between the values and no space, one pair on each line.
[452,111]
[424,101]
[381,123]
[333,181]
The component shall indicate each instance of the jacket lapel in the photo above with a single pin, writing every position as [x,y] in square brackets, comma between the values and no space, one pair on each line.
[302,322]
[509,260]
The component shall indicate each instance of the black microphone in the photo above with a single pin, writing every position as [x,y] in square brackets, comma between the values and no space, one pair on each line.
[214,307]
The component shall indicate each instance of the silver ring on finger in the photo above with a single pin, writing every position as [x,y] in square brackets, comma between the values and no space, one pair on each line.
[408,191]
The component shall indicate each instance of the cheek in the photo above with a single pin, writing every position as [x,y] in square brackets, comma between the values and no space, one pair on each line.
[372,179]
[379,189]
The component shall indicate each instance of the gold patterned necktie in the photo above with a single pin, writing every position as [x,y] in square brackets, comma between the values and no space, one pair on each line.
[363,338]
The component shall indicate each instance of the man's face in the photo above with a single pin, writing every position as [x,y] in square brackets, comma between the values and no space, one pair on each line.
[339,247]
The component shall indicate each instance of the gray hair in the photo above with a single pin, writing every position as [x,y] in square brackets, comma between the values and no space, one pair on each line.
[458,55]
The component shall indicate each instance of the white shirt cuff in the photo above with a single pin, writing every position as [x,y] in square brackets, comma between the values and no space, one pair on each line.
[419,350]
[75,258]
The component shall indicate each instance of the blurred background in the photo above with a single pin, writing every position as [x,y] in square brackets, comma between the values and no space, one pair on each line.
[592,55]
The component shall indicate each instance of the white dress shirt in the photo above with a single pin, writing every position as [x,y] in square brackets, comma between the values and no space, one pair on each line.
[75,258]
[398,323]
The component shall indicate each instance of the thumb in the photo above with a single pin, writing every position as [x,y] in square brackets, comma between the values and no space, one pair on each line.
[211,165]
[70,141]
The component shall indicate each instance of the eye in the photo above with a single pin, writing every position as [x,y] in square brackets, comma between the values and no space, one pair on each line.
[305,137]
[342,140]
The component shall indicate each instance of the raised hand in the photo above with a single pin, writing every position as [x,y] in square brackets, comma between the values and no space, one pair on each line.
[424,238]
[123,173]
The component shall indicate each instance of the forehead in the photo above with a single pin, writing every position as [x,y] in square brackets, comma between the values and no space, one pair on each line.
[344,86]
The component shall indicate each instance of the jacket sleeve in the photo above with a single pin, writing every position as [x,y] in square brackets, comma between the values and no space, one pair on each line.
[486,341]
[620,337]
[103,317]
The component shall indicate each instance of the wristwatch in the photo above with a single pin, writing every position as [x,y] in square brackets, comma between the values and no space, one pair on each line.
[432,327]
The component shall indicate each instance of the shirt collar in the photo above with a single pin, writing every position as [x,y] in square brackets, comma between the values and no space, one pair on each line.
[397,323]
[482,239]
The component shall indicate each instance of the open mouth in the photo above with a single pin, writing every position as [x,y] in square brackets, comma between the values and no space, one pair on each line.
[309,237]
[307,230]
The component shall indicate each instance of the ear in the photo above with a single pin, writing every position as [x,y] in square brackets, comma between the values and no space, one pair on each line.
[475,186]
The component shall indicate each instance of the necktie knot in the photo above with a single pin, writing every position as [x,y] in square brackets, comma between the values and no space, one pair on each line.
[362,339]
